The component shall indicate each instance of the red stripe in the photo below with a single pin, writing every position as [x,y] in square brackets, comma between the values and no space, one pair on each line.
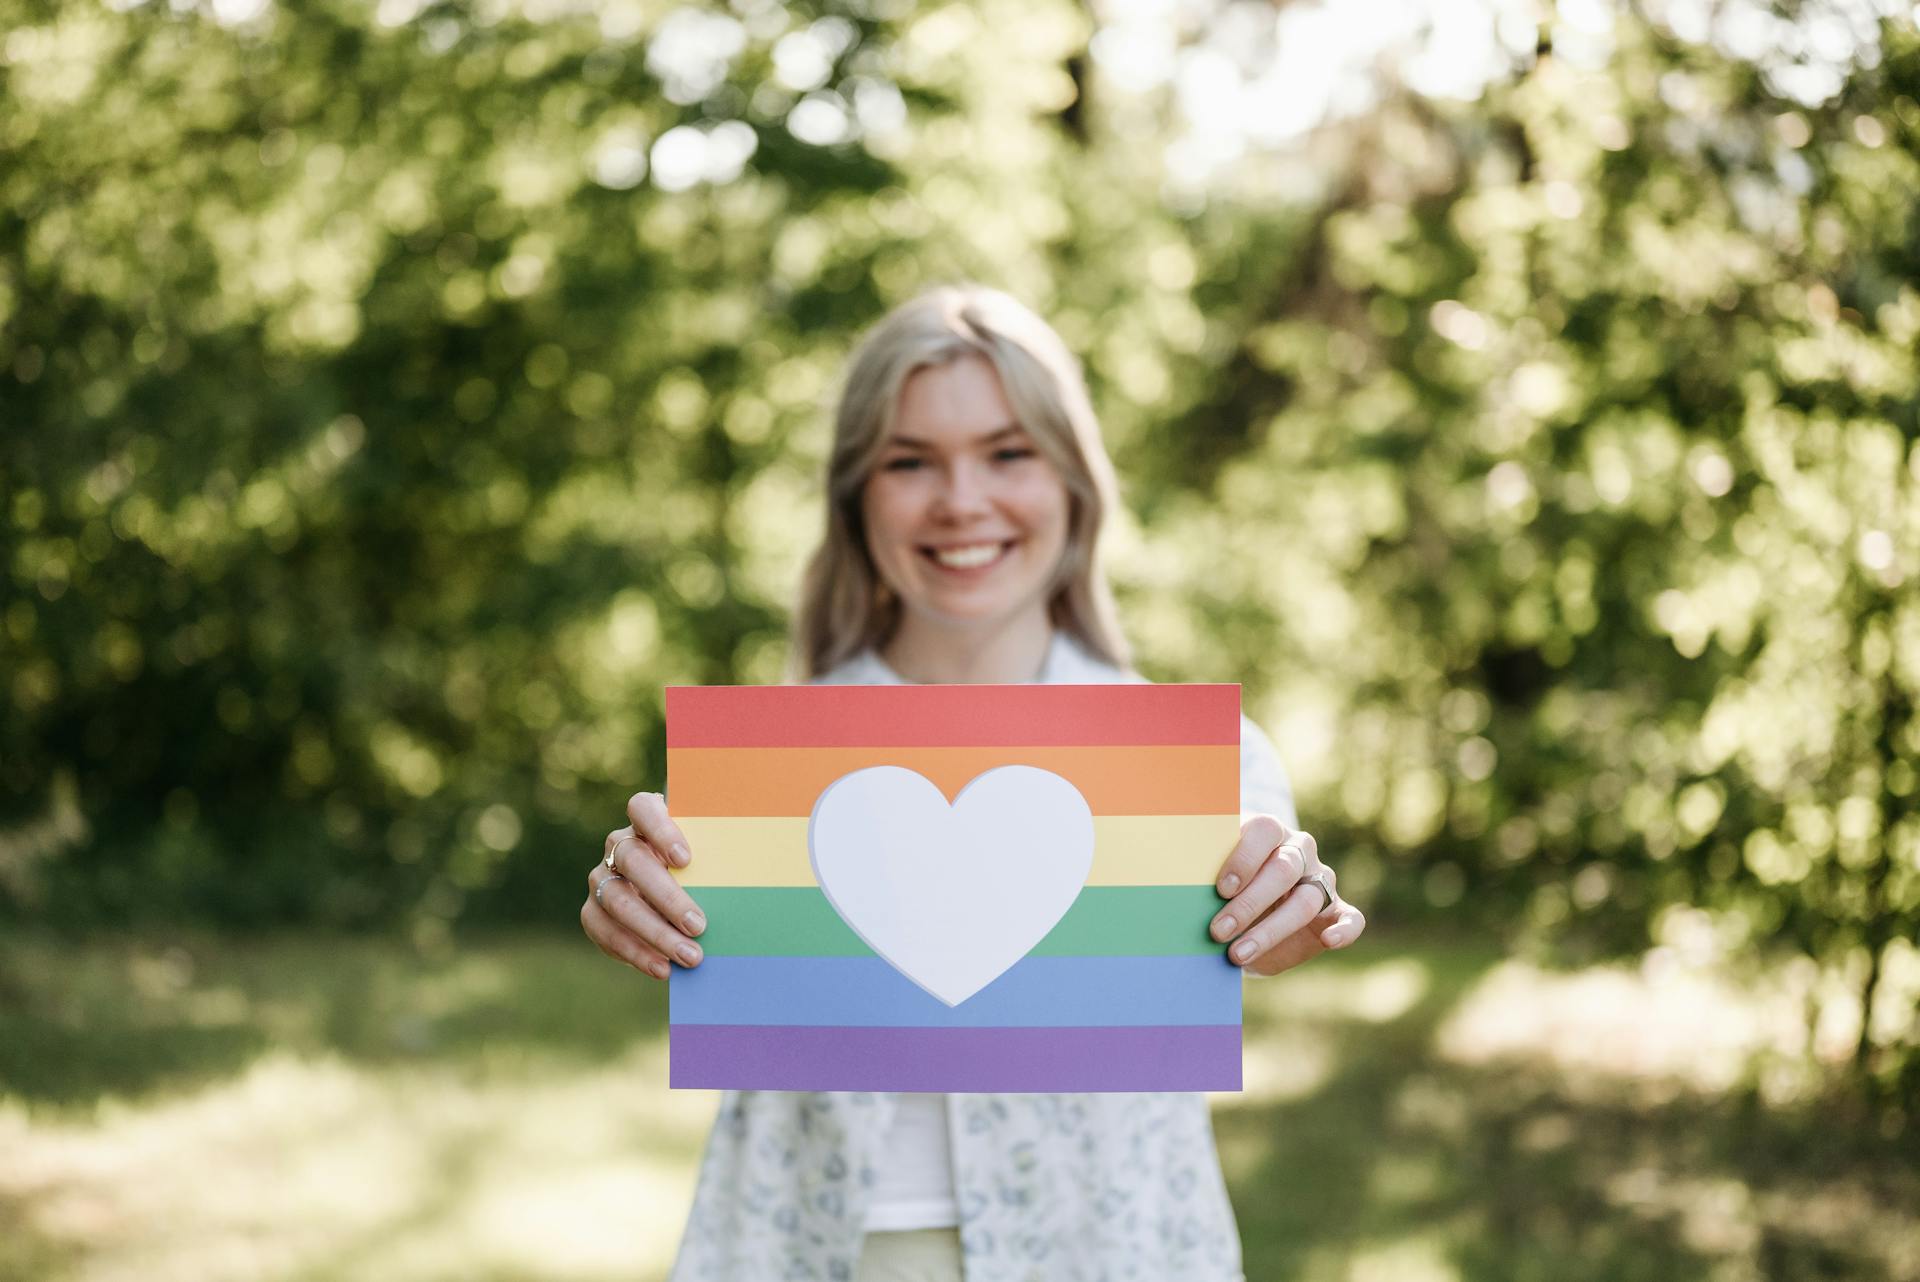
[950,716]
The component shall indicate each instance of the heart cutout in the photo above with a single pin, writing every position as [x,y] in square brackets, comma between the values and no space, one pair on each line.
[951,895]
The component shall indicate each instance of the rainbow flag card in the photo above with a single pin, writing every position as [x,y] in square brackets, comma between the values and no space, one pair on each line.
[956,888]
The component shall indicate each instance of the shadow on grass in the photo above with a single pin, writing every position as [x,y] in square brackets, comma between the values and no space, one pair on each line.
[27,1254]
[1402,1166]
[126,1019]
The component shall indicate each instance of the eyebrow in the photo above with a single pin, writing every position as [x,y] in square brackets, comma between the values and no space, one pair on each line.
[915,443]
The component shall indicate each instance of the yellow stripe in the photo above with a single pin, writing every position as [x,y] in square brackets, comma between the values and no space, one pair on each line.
[1128,850]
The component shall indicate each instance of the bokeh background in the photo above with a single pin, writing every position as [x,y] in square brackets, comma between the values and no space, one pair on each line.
[1519,398]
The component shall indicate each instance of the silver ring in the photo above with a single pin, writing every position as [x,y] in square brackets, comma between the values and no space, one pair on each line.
[1319,882]
[601,889]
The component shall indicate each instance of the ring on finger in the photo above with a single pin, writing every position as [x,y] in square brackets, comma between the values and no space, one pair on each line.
[1286,848]
[613,855]
[601,889]
[1318,881]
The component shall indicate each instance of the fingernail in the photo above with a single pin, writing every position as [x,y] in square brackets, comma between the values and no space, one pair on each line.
[1223,927]
[689,955]
[1243,951]
[1334,937]
[680,855]
[1229,884]
[657,969]
[695,922]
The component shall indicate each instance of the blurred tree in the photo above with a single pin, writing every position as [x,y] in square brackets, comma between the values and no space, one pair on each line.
[403,395]
[1574,457]
[395,399]
[391,383]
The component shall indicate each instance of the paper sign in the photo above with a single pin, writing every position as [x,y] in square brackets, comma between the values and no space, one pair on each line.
[956,888]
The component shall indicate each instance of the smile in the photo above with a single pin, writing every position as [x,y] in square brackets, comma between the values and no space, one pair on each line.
[969,556]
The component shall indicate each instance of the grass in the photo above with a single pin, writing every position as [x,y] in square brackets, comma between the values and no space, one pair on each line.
[1420,1111]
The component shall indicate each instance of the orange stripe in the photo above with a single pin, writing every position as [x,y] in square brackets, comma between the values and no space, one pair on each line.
[1133,780]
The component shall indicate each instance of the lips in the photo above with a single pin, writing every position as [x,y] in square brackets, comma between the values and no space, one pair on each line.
[967,556]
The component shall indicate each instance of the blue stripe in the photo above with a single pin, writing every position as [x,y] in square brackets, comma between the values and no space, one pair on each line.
[1038,992]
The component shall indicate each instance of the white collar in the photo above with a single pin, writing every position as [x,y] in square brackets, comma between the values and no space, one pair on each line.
[1067,663]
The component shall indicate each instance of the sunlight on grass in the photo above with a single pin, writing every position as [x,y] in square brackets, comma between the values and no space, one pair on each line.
[321,1110]
[1272,1070]
[1376,993]
[1626,1044]
[1405,1178]
[371,1113]
[1289,1052]
[1412,1260]
[325,1167]
[1722,1216]
[1291,1048]
[1621,1024]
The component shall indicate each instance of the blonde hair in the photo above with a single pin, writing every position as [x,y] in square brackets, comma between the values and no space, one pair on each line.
[844,606]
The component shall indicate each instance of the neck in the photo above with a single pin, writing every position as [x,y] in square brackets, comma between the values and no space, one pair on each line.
[930,653]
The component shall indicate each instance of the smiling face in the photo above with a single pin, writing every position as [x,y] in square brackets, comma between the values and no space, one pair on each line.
[966,520]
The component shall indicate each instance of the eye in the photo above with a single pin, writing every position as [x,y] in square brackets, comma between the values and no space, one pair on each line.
[903,463]
[1012,453]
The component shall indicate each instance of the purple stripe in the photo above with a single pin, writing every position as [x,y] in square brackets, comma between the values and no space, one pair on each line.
[786,1058]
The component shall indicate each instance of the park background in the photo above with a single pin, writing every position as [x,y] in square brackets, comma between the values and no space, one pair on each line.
[1518,398]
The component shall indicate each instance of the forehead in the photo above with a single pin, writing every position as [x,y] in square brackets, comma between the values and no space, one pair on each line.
[953,402]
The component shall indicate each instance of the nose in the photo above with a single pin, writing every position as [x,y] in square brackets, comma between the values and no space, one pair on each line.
[963,492]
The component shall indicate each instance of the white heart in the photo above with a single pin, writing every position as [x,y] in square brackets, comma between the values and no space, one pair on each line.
[951,896]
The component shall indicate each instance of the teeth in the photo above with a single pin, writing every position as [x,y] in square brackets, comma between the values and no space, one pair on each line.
[968,558]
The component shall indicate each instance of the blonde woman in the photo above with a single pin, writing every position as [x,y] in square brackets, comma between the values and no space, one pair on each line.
[965,496]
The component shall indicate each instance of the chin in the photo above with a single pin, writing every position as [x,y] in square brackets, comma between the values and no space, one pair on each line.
[972,614]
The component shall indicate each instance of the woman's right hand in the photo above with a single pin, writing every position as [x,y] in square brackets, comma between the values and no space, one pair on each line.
[635,911]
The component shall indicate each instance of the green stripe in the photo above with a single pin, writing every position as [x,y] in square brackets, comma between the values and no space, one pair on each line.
[1105,921]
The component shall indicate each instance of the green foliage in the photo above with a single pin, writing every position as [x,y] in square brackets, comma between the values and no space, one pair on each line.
[395,400]
[1602,500]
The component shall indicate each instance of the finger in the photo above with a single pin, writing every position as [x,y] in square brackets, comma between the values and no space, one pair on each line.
[1258,838]
[616,839]
[1311,940]
[1274,878]
[626,836]
[648,813]
[659,888]
[621,900]
[1347,924]
[617,942]
[1300,946]
[634,902]
[1301,905]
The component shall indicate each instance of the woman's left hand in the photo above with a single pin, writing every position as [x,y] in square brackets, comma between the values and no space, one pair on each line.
[1275,914]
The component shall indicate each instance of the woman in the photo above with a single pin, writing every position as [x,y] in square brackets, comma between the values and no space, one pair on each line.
[966,490]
